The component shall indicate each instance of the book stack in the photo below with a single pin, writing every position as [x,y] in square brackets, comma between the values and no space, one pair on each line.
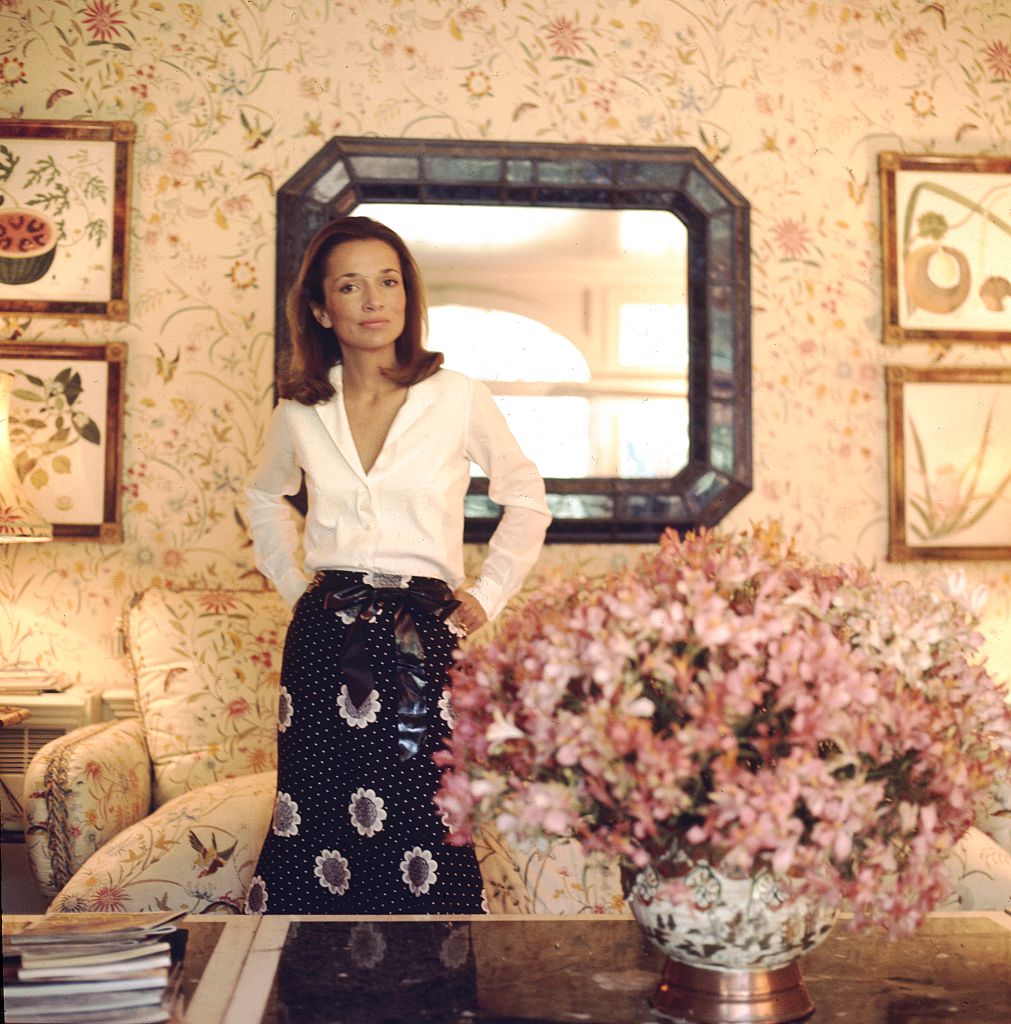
[76,968]
[22,679]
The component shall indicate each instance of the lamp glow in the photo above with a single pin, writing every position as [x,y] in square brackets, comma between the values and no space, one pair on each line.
[19,521]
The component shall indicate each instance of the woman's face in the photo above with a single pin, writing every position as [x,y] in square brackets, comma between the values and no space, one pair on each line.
[364,300]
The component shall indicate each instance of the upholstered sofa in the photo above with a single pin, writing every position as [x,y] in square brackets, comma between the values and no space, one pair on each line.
[169,809]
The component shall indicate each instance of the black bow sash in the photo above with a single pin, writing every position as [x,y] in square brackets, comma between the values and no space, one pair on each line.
[429,595]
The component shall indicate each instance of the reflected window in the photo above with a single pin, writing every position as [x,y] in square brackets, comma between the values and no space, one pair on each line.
[495,345]
[569,412]
[644,333]
[579,325]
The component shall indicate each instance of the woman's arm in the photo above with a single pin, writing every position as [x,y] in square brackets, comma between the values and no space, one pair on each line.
[514,483]
[272,525]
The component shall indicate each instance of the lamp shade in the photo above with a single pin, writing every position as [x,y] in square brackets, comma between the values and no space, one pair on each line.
[18,519]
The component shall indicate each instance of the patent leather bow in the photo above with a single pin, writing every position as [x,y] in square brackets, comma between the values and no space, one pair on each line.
[431,596]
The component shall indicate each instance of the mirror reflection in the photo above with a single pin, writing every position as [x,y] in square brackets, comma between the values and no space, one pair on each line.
[627,373]
[576,319]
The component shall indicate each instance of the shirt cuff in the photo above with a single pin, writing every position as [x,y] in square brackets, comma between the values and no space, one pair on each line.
[291,586]
[488,595]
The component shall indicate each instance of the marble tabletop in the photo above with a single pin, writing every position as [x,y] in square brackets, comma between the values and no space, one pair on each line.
[497,970]
[547,970]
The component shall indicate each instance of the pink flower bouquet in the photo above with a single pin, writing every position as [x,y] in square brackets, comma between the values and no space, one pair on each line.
[727,696]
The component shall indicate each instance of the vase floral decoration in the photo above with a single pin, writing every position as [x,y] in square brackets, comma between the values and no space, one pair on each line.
[728,697]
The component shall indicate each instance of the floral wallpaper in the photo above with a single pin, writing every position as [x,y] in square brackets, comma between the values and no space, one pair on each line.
[792,99]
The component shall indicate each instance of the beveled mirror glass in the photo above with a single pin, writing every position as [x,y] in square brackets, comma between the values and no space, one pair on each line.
[603,294]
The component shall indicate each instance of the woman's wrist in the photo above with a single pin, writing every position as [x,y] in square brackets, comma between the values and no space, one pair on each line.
[471,614]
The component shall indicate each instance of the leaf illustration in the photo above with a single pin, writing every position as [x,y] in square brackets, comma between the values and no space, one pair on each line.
[23,464]
[988,503]
[8,161]
[921,463]
[87,428]
[72,388]
[61,464]
[56,95]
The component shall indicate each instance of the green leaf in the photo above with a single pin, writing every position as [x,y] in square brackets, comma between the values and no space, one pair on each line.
[39,478]
[73,388]
[27,396]
[61,464]
[87,428]
[8,161]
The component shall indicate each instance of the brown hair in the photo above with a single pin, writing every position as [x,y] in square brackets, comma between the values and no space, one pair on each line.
[315,349]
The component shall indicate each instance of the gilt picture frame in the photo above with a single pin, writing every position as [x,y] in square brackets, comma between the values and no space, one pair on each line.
[66,434]
[64,217]
[946,248]
[949,448]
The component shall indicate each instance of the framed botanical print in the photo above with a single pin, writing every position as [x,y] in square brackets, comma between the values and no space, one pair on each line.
[949,447]
[66,433]
[946,248]
[64,217]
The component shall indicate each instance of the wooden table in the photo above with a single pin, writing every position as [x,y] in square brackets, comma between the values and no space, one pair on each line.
[497,969]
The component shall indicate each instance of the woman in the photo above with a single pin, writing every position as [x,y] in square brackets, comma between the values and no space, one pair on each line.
[385,439]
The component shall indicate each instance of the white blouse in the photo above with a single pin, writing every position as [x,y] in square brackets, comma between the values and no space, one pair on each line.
[405,516]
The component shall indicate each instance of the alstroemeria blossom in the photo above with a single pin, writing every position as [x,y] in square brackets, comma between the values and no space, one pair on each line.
[726,693]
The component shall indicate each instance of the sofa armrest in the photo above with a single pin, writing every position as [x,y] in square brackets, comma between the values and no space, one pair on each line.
[80,791]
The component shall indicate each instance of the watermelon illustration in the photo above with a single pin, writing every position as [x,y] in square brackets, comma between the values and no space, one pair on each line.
[27,245]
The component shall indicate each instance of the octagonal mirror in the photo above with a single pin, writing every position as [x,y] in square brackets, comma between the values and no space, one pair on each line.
[602,293]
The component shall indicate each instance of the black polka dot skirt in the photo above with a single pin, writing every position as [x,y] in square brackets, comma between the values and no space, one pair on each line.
[355,829]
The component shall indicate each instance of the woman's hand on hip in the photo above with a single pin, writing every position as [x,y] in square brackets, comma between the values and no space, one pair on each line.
[470,615]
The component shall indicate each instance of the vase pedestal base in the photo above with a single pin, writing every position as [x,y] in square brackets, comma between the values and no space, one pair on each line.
[705,996]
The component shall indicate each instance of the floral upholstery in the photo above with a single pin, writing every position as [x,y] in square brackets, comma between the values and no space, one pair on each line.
[207,668]
[996,822]
[197,851]
[102,835]
[80,791]
[980,871]
[562,880]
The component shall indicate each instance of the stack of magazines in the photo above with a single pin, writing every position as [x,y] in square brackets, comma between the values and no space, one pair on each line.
[22,679]
[76,968]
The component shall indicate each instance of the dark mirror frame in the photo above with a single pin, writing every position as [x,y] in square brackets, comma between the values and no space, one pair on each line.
[347,172]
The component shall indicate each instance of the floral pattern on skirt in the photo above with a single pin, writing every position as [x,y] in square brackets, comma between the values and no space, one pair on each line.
[355,829]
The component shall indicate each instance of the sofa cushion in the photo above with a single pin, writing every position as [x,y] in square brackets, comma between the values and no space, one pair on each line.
[207,668]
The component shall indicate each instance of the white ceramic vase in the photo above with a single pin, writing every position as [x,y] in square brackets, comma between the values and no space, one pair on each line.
[733,946]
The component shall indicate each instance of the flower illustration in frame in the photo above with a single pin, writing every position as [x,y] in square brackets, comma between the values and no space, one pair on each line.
[64,213]
[950,462]
[66,427]
[946,248]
